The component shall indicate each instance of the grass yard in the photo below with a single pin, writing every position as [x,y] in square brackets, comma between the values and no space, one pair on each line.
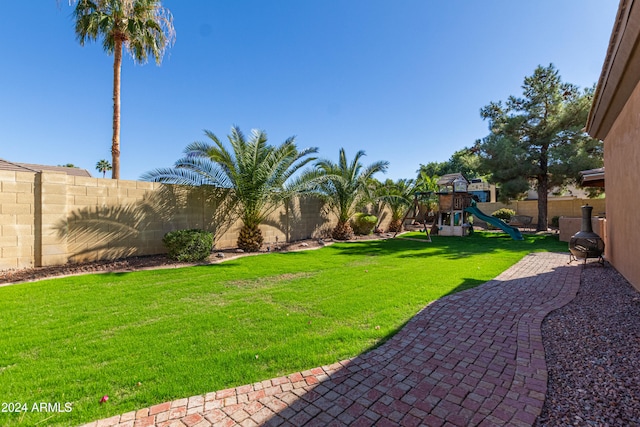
[147,337]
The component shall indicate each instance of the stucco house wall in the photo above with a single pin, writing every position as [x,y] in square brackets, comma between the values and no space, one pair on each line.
[622,166]
[615,119]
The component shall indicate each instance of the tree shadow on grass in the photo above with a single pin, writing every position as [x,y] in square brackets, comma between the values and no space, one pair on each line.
[441,246]
[454,347]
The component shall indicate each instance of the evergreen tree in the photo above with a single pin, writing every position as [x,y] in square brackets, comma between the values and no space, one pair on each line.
[538,140]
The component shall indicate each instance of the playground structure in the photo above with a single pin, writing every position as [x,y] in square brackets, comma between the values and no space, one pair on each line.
[453,200]
[455,206]
[514,232]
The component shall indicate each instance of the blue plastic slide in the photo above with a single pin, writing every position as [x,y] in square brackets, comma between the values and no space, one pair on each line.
[512,231]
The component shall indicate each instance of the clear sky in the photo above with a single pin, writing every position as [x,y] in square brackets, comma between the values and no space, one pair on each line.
[403,80]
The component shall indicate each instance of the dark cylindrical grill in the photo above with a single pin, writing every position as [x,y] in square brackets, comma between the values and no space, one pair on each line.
[585,243]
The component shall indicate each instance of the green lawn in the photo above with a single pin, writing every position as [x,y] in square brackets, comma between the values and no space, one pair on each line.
[148,337]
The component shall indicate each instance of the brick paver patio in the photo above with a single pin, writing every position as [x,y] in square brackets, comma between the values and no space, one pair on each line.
[471,358]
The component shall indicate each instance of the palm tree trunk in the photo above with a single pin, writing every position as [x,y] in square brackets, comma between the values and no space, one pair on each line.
[115,141]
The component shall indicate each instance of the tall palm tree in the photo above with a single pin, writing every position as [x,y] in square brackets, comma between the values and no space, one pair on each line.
[103,166]
[343,185]
[398,196]
[259,175]
[143,27]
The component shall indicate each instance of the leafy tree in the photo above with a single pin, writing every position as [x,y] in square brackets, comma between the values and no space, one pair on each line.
[68,165]
[103,166]
[343,186]
[426,182]
[398,196]
[466,161]
[260,175]
[538,139]
[143,27]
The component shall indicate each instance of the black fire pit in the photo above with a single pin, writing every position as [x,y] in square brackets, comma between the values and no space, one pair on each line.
[585,243]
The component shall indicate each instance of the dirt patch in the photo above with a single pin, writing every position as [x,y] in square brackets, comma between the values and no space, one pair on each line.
[155,261]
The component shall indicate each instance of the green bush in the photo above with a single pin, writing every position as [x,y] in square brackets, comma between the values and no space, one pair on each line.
[188,245]
[504,214]
[555,221]
[363,224]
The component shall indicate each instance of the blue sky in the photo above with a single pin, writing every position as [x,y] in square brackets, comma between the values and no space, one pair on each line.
[403,80]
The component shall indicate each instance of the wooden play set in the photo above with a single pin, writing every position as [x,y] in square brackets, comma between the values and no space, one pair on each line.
[455,206]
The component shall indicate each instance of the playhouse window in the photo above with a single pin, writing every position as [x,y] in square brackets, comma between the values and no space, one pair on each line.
[460,185]
[446,218]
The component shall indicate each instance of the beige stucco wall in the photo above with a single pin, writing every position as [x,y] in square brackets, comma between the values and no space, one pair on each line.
[570,226]
[622,165]
[559,208]
[51,218]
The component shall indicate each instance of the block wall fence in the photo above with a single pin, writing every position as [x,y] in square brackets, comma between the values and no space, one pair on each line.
[570,208]
[51,218]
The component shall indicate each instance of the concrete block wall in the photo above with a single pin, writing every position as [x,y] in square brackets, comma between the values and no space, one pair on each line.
[108,219]
[17,225]
[50,218]
[299,219]
[50,207]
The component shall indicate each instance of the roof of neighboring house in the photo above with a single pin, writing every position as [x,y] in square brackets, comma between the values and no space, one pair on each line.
[620,71]
[29,167]
[592,178]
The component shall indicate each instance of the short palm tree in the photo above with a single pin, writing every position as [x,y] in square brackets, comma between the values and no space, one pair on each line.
[259,175]
[398,196]
[343,186]
[143,27]
[428,186]
[103,166]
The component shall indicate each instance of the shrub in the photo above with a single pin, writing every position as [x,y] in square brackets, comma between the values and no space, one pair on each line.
[363,224]
[188,245]
[555,221]
[504,214]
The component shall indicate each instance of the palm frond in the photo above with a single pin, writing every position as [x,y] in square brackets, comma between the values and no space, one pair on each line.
[345,184]
[260,175]
[173,176]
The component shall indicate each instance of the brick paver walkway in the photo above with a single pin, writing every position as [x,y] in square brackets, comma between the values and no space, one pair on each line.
[471,358]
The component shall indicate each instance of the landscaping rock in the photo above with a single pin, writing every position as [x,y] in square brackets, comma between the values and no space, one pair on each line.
[592,348]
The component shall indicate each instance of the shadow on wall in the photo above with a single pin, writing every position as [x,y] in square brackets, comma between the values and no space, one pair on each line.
[137,228]
[301,218]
